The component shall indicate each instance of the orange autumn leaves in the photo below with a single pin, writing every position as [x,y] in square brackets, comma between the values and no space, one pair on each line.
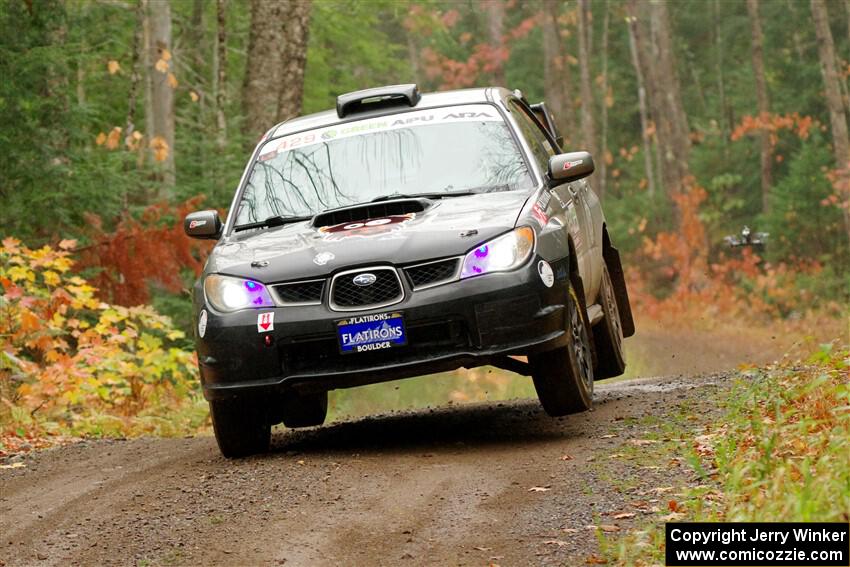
[112,141]
[134,140]
[73,362]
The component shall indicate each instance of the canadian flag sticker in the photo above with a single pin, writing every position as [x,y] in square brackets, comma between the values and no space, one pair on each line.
[265,322]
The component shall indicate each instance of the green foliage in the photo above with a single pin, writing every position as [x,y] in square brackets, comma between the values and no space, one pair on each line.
[350,49]
[778,453]
[801,224]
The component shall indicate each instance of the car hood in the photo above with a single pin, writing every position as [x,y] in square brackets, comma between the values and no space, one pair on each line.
[300,250]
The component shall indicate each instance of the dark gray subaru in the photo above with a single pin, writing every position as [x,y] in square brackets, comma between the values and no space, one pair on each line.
[401,235]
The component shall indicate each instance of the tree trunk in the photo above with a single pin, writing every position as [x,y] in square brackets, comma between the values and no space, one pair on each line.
[294,59]
[221,73]
[556,73]
[263,68]
[413,58]
[162,93]
[725,125]
[847,11]
[495,27]
[147,65]
[671,114]
[194,37]
[603,150]
[274,76]
[648,62]
[588,126]
[837,115]
[634,42]
[135,75]
[757,42]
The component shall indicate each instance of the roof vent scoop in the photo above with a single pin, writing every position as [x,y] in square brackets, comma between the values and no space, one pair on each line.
[377,98]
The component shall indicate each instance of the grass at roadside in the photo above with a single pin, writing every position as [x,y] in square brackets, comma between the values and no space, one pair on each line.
[778,451]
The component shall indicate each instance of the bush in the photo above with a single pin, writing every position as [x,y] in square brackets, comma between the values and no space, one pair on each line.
[70,363]
[800,223]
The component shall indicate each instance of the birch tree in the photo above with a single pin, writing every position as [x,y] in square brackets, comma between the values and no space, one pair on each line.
[162,83]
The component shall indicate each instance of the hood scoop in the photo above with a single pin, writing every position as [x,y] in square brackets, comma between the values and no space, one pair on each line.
[369,211]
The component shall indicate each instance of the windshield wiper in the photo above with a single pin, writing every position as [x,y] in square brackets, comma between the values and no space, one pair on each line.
[271,221]
[435,195]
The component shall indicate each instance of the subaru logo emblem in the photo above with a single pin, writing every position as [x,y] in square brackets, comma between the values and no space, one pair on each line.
[364,279]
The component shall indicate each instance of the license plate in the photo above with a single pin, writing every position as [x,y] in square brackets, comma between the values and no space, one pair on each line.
[366,333]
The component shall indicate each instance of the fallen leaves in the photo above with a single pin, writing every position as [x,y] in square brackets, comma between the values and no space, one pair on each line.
[624,515]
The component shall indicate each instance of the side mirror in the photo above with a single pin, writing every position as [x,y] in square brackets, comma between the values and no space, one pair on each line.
[203,224]
[571,166]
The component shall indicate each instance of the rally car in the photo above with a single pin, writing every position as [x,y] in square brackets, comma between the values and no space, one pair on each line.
[405,234]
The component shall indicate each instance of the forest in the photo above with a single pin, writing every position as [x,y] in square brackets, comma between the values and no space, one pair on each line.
[117,117]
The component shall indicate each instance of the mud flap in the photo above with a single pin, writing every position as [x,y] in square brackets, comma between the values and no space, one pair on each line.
[618,279]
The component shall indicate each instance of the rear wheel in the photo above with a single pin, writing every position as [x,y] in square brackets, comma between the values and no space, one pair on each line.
[608,333]
[241,427]
[563,377]
[304,410]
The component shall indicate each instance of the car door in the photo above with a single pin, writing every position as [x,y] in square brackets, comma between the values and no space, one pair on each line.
[568,206]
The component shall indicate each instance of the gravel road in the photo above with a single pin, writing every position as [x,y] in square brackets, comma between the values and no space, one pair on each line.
[472,484]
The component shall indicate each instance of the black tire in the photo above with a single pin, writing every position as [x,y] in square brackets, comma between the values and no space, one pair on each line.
[608,333]
[304,410]
[563,377]
[241,427]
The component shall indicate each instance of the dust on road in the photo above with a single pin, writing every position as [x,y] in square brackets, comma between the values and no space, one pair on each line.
[423,487]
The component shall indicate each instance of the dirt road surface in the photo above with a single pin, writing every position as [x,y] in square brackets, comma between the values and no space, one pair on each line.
[472,484]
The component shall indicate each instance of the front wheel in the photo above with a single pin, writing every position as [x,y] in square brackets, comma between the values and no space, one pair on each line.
[563,377]
[241,427]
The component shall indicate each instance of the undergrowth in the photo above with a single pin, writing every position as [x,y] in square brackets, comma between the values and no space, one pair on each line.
[779,452]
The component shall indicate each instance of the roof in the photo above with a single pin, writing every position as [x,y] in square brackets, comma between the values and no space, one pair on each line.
[429,100]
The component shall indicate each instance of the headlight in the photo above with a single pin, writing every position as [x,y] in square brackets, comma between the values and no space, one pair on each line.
[231,294]
[507,252]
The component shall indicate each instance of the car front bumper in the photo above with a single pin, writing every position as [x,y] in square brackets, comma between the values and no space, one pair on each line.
[466,323]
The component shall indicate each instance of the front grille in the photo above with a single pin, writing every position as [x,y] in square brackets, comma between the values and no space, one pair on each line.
[300,292]
[346,295]
[432,273]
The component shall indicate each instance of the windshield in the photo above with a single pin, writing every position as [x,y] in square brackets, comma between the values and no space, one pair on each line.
[444,150]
